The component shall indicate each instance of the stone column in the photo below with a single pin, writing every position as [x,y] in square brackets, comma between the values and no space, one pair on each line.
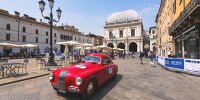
[141,44]
[115,43]
[183,49]
[138,46]
[127,48]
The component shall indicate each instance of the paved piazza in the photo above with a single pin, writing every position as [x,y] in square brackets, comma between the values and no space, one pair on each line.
[134,82]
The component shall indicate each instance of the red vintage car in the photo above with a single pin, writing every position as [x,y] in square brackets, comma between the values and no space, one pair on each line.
[86,77]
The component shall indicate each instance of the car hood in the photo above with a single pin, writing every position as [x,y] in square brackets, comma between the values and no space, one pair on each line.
[82,68]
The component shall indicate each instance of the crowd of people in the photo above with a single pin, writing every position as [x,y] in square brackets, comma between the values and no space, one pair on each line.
[113,54]
[151,55]
[20,54]
[78,55]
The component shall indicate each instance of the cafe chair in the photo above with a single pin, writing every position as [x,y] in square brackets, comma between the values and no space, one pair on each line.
[23,66]
[38,60]
[43,64]
[2,68]
[1,71]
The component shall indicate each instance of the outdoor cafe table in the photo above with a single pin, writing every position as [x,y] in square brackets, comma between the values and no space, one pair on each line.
[9,66]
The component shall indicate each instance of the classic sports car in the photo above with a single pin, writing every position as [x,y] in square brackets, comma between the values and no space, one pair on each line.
[86,77]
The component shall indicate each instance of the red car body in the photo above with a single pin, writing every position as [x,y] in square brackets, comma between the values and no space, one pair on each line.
[66,79]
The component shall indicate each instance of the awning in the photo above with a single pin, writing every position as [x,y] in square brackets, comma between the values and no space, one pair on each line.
[70,43]
[9,45]
[28,46]
[102,48]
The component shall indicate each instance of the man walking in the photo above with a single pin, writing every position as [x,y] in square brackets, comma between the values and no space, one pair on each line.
[141,56]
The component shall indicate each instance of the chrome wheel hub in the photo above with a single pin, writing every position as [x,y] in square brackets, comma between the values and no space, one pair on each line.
[90,87]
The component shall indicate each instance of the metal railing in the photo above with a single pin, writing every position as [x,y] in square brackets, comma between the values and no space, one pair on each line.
[192,4]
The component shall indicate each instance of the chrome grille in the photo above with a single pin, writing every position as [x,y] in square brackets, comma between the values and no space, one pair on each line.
[61,80]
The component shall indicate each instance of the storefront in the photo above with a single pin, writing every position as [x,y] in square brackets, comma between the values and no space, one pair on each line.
[188,43]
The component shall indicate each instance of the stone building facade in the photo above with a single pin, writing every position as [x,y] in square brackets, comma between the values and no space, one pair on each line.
[124,30]
[24,29]
[96,39]
[164,42]
[185,28]
[152,36]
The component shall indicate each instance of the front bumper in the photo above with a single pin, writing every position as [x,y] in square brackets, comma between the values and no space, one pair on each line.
[72,89]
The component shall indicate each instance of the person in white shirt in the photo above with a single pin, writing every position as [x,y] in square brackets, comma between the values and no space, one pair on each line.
[169,53]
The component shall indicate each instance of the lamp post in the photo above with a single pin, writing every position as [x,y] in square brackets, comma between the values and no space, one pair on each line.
[18,29]
[18,24]
[140,45]
[51,20]
[127,42]
[112,39]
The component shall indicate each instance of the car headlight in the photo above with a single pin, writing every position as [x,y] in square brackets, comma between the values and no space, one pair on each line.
[78,81]
[51,76]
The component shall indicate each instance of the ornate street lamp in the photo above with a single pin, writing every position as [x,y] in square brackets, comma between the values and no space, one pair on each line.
[127,37]
[51,20]
[112,39]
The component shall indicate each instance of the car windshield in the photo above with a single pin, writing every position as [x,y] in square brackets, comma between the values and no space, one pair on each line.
[93,59]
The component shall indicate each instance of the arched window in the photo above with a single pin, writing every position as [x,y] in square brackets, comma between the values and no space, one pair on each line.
[8,26]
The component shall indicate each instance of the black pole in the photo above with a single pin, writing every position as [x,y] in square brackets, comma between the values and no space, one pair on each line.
[18,29]
[127,43]
[112,54]
[51,61]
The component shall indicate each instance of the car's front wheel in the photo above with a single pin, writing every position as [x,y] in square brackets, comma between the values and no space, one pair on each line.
[90,89]
[56,90]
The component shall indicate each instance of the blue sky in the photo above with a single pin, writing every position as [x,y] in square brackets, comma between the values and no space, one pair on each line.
[86,15]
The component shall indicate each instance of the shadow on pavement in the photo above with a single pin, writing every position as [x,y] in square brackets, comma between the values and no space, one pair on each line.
[103,90]
[100,93]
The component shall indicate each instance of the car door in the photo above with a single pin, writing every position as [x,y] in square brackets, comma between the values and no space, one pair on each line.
[108,67]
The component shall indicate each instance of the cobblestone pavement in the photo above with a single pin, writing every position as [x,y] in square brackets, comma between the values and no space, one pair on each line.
[135,81]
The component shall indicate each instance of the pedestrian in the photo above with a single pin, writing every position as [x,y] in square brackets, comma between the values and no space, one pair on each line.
[149,54]
[169,53]
[141,56]
[152,57]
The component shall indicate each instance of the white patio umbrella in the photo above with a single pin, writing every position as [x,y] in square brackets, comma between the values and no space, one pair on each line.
[102,47]
[70,43]
[28,46]
[8,45]
[116,49]
[78,47]
[120,49]
[66,52]
[87,45]
[87,48]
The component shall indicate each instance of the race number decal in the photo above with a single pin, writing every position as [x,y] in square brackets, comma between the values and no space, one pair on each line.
[110,70]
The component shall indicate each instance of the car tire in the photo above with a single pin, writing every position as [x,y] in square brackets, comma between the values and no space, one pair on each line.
[115,76]
[56,90]
[90,89]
